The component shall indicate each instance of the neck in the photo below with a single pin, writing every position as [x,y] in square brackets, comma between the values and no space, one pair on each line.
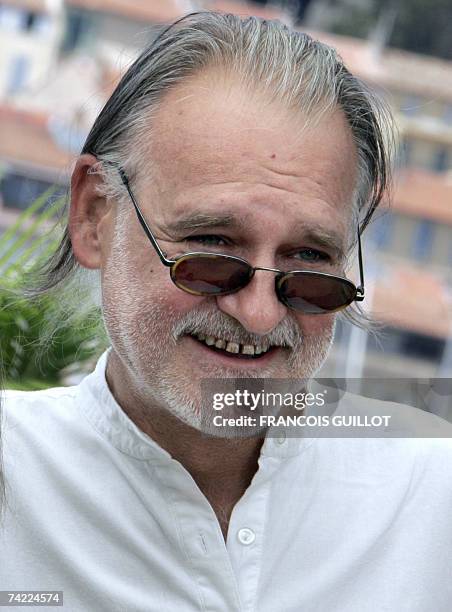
[222,468]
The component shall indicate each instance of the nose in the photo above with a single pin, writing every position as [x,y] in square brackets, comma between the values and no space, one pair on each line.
[256,307]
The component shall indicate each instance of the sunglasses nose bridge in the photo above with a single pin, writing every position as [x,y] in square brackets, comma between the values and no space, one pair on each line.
[252,270]
[268,269]
[278,280]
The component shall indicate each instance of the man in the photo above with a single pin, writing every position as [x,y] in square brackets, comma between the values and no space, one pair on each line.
[252,146]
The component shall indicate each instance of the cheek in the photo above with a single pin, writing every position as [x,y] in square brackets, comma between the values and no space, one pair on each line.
[146,295]
[172,299]
[156,291]
[316,325]
[137,288]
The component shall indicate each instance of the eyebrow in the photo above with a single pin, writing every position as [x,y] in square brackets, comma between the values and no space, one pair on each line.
[200,220]
[314,233]
[326,238]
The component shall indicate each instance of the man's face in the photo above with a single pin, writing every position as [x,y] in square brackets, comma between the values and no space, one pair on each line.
[215,151]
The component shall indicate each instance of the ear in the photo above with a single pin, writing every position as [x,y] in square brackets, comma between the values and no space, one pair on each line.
[90,215]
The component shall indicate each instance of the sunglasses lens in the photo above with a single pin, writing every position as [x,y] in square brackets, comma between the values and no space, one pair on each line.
[315,294]
[211,274]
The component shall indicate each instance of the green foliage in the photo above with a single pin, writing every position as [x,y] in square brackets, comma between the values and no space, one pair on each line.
[29,358]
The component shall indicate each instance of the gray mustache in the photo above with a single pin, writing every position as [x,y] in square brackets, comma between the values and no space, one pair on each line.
[218,324]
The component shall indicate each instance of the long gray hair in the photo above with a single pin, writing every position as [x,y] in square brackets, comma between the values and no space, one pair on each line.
[287,65]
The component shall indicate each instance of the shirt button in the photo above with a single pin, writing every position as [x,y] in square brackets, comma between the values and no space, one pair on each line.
[246,536]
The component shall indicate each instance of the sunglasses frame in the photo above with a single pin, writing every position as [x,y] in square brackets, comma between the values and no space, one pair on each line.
[281,275]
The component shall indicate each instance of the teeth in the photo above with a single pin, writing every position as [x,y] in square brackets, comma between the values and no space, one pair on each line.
[232,347]
[247,349]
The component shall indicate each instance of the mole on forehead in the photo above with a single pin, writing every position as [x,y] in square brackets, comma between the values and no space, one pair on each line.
[196,220]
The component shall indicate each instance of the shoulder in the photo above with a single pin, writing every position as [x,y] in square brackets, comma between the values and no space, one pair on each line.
[33,415]
[403,420]
[18,403]
[416,435]
[12,396]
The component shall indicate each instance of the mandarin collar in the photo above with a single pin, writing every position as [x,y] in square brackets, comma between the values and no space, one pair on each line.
[99,406]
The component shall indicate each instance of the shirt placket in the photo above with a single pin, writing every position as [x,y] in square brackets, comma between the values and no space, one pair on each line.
[246,534]
[201,540]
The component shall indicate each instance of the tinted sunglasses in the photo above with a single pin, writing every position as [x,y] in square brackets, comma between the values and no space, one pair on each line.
[212,274]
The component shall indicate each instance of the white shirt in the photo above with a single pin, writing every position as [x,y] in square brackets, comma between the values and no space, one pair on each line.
[98,510]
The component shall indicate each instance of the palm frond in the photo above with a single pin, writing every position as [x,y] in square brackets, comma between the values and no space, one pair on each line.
[30,359]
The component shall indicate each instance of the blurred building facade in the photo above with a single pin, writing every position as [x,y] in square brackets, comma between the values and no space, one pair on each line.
[31,33]
[59,61]
[408,247]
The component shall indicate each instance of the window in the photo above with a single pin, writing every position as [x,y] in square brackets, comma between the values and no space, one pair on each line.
[11,18]
[449,254]
[447,116]
[440,159]
[423,239]
[382,230]
[406,343]
[404,153]
[78,26]
[42,25]
[18,73]
[19,20]
[29,21]
[18,192]
[420,346]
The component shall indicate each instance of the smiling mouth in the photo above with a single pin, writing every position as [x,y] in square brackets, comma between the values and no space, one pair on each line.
[233,349]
